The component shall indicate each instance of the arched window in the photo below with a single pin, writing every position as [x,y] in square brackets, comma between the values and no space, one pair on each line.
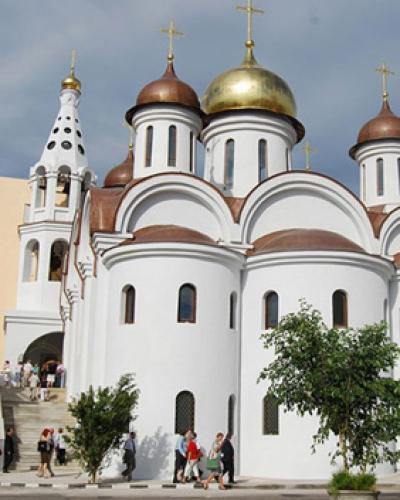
[187,304]
[339,309]
[57,256]
[149,146]
[232,310]
[128,304]
[191,152]
[184,412]
[63,187]
[262,160]
[41,187]
[379,177]
[270,415]
[31,264]
[172,146]
[229,163]
[231,414]
[271,307]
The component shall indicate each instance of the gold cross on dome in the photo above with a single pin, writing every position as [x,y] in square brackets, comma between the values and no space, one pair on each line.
[172,33]
[308,150]
[384,71]
[250,11]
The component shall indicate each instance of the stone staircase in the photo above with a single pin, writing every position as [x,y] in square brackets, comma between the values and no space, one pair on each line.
[29,418]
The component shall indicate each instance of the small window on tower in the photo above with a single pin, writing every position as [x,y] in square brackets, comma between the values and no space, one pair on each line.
[66,145]
[67,130]
[68,117]
[81,150]
[187,304]
[51,144]
[149,146]
[31,263]
[56,130]
[262,160]
[379,177]
[57,256]
[191,149]
[78,133]
[172,146]
[41,187]
[271,307]
[229,163]
[339,307]
[128,304]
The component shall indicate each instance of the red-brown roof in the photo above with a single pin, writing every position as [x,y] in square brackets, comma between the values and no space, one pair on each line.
[120,175]
[386,125]
[168,233]
[302,239]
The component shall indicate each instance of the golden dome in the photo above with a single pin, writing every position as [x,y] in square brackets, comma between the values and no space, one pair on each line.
[71,82]
[249,86]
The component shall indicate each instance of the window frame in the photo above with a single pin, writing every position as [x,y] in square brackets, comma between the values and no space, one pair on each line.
[345,323]
[267,321]
[128,312]
[229,163]
[148,158]
[172,145]
[193,305]
[380,178]
[268,428]
[262,161]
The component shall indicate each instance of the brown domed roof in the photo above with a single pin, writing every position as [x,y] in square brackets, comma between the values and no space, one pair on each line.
[120,175]
[386,125]
[168,89]
[168,233]
[290,240]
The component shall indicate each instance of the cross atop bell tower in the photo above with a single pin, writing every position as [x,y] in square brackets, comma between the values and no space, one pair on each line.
[250,11]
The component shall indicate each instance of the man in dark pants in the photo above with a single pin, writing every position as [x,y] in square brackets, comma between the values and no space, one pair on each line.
[8,449]
[130,456]
[180,458]
[227,454]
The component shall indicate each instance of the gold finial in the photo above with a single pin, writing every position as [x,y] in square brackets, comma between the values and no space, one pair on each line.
[384,71]
[172,33]
[250,11]
[71,82]
[308,150]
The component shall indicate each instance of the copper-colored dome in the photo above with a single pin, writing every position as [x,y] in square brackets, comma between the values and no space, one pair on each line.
[386,125]
[168,89]
[290,240]
[120,175]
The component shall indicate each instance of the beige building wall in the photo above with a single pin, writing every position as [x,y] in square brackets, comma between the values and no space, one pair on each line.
[14,194]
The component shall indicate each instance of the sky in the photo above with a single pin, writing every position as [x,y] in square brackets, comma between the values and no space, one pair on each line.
[326,50]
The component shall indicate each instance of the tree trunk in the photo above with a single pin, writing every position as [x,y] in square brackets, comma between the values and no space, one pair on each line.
[93,477]
[343,448]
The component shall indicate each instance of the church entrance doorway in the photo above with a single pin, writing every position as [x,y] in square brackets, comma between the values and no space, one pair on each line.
[45,349]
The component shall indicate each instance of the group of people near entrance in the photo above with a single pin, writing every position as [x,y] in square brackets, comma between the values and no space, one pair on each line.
[220,459]
[47,444]
[52,374]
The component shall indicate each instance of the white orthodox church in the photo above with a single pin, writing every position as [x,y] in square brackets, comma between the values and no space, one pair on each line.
[174,275]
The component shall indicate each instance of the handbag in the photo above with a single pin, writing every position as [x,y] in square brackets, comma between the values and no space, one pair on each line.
[213,463]
[43,446]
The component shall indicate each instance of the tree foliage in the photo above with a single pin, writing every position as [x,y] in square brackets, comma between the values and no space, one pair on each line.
[102,417]
[344,377]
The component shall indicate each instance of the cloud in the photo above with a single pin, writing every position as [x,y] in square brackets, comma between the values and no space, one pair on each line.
[327,52]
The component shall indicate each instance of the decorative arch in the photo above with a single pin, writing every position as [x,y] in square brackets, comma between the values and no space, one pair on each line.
[48,347]
[389,235]
[184,412]
[31,261]
[298,199]
[58,252]
[152,201]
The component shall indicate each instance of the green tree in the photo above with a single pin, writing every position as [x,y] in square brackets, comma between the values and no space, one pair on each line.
[344,377]
[102,417]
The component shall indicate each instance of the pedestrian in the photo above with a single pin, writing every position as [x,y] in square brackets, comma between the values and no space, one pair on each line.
[60,375]
[35,369]
[227,456]
[129,456]
[44,450]
[33,387]
[7,374]
[27,372]
[51,451]
[180,457]
[18,374]
[43,388]
[192,457]
[60,446]
[8,449]
[214,463]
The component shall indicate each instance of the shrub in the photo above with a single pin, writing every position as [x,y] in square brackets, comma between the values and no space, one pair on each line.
[344,480]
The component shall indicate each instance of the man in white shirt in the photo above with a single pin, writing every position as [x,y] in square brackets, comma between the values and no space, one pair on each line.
[33,386]
[27,372]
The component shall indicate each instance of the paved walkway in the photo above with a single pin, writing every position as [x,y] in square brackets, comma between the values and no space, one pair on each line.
[69,480]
